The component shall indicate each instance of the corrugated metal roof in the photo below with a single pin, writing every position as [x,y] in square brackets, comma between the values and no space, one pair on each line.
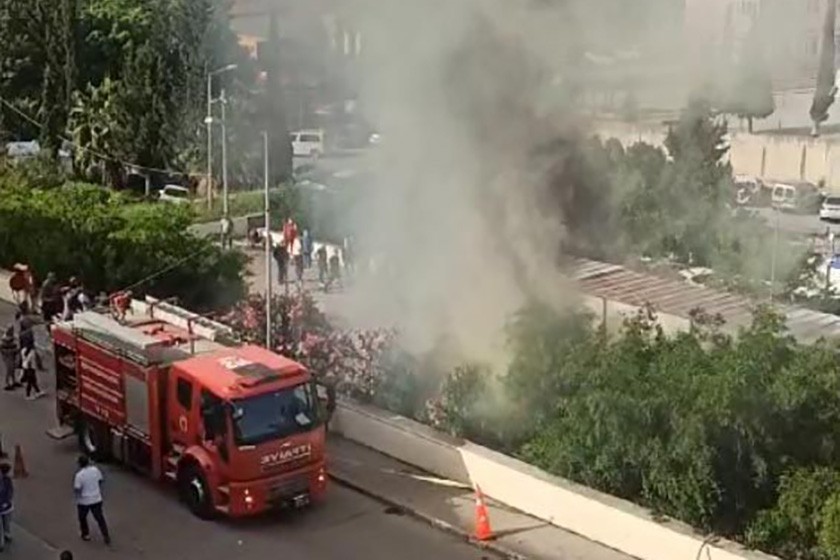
[679,298]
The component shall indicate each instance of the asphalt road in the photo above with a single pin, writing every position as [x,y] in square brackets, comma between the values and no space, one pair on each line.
[801,224]
[148,522]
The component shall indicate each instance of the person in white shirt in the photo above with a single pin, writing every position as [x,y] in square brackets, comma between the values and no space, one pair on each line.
[88,491]
[297,258]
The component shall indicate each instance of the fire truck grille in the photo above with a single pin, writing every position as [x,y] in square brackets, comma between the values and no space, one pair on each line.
[276,467]
[289,488]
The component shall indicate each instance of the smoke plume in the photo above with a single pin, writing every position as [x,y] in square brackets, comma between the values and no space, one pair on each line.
[464,93]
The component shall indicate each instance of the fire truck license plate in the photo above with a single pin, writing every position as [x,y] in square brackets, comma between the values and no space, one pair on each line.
[301,500]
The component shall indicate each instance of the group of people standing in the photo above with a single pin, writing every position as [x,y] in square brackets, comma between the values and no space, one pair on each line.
[296,249]
[20,358]
[52,299]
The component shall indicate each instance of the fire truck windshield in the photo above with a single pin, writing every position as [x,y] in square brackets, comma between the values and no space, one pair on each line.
[274,415]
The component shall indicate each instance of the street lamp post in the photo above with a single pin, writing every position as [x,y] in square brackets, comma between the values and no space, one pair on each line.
[225,196]
[208,121]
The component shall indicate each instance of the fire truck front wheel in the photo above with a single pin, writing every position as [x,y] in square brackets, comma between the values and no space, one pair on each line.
[94,439]
[195,491]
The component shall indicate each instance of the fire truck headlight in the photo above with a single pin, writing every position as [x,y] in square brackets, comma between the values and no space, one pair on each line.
[249,500]
[322,477]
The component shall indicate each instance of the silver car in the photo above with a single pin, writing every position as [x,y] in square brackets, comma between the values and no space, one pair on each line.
[830,209]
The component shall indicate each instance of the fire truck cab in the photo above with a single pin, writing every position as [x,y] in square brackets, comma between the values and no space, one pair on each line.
[173,395]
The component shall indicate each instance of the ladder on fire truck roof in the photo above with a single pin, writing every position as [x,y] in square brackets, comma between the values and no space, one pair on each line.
[161,310]
[140,348]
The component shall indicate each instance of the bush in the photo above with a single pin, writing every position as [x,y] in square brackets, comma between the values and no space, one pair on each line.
[804,521]
[93,234]
[739,435]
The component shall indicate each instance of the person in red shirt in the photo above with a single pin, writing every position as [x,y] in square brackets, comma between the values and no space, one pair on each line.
[19,283]
[289,232]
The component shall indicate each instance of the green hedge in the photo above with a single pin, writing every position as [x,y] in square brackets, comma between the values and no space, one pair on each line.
[94,234]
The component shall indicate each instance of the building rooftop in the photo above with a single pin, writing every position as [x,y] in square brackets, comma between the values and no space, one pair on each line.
[679,297]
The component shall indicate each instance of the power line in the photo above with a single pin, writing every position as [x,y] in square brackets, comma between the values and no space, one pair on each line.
[40,125]
[166,269]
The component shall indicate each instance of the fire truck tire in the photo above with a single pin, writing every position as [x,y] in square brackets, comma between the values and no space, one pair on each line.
[94,439]
[195,492]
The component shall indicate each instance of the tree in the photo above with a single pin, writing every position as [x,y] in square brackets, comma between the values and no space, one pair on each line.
[751,96]
[22,60]
[826,90]
[91,233]
[59,73]
[804,518]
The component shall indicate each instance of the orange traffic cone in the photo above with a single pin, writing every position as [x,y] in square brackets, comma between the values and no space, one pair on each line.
[20,467]
[483,532]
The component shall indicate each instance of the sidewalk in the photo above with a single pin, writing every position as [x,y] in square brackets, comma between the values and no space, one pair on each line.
[26,546]
[450,506]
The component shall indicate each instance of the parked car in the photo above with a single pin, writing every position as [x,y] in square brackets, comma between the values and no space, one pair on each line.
[830,209]
[175,194]
[307,143]
[802,198]
[749,191]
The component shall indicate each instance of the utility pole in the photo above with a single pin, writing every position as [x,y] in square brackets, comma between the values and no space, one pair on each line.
[268,243]
[829,235]
[209,122]
[225,196]
[773,262]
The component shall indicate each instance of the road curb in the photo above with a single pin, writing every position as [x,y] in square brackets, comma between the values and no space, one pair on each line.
[501,550]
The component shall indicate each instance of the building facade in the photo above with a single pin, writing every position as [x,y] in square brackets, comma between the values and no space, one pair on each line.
[717,31]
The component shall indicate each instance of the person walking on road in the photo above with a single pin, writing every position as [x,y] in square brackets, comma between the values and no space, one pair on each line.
[321,256]
[281,255]
[335,268]
[31,363]
[306,240]
[26,330]
[9,353]
[7,495]
[297,259]
[87,486]
[227,229]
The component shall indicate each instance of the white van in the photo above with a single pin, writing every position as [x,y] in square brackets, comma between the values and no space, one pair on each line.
[796,197]
[307,143]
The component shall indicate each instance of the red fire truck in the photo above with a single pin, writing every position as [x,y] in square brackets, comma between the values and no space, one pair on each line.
[173,395]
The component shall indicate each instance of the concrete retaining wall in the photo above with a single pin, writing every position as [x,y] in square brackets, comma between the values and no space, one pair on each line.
[615,523]
[241,225]
[774,156]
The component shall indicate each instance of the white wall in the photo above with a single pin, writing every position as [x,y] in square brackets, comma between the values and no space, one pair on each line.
[615,523]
